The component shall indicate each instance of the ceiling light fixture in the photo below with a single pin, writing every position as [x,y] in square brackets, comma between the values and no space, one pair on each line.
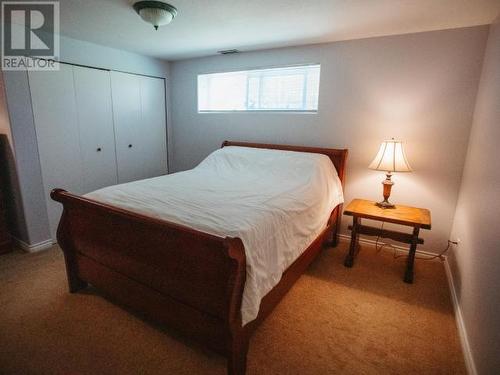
[157,13]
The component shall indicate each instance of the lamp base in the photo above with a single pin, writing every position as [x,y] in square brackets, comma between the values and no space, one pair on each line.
[387,184]
[385,204]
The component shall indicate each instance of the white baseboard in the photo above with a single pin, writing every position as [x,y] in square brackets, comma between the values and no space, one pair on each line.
[462,332]
[398,248]
[34,247]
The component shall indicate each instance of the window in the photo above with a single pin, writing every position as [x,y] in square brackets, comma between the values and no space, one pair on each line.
[279,89]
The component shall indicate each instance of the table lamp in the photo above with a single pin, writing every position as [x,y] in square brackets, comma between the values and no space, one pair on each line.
[390,158]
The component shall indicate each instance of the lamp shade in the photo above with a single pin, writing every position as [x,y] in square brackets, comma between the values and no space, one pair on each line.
[391,158]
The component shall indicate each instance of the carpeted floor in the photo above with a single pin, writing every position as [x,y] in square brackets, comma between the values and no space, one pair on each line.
[335,320]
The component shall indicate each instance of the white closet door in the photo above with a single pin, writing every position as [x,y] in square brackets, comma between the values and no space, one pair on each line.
[127,119]
[154,126]
[54,111]
[95,122]
[140,131]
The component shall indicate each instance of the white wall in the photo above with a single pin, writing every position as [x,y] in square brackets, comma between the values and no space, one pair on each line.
[91,54]
[417,87]
[34,228]
[475,262]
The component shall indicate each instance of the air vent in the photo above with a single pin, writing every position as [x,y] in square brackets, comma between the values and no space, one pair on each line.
[228,51]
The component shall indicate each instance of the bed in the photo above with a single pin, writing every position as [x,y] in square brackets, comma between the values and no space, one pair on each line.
[198,250]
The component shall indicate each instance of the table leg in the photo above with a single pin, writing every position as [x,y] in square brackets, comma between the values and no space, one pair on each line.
[349,259]
[411,257]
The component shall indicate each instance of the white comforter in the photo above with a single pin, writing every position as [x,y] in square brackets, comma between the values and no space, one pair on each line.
[276,202]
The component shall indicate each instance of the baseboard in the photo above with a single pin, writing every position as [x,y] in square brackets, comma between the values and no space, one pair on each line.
[462,332]
[33,248]
[398,248]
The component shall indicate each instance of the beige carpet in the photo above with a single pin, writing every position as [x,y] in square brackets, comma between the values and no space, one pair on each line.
[335,320]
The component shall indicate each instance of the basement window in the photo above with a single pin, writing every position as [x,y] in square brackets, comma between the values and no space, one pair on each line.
[286,89]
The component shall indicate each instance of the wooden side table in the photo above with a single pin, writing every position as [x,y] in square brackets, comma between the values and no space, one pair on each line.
[417,218]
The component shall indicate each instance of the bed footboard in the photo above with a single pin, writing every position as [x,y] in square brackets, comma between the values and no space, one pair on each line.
[186,279]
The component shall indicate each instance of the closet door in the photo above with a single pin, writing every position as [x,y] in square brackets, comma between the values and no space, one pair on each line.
[54,111]
[140,131]
[154,126]
[95,122]
[127,120]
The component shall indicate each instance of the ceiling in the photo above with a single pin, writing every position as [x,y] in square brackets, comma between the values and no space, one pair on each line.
[202,27]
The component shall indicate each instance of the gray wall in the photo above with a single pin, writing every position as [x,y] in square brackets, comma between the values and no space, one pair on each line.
[417,87]
[475,262]
[34,227]
[8,174]
[28,188]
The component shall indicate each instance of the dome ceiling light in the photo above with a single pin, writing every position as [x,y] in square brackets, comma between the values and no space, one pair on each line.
[157,13]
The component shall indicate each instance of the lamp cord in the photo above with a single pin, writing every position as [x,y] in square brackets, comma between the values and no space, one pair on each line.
[395,256]
[377,248]
[430,257]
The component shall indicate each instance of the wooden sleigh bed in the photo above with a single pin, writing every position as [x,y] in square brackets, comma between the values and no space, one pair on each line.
[188,280]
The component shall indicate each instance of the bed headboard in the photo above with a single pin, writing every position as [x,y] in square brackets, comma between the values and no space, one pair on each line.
[337,156]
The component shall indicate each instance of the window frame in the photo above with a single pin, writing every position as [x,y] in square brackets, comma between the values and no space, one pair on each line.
[246,110]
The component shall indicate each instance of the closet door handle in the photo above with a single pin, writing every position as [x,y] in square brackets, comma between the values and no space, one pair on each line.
[130,146]
[99,149]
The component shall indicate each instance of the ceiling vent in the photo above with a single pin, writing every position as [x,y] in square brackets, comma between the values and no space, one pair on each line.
[228,51]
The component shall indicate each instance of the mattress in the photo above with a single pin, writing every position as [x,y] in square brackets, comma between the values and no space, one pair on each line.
[277,202]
